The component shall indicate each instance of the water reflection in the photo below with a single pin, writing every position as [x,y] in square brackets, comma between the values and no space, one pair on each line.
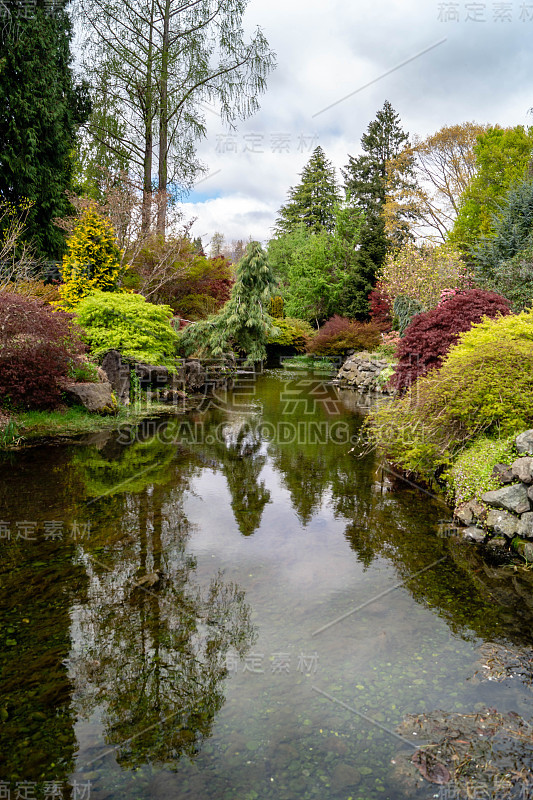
[132,631]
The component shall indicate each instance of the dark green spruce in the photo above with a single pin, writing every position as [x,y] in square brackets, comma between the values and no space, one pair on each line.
[312,202]
[365,182]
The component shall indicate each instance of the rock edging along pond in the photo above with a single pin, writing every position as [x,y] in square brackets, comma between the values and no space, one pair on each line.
[164,385]
[504,517]
[365,372]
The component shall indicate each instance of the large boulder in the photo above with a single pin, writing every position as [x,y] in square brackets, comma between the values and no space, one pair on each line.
[503,523]
[522,469]
[151,375]
[525,526]
[118,375]
[95,397]
[513,498]
[524,442]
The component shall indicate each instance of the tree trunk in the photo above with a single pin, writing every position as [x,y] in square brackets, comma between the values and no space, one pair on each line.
[163,126]
[146,221]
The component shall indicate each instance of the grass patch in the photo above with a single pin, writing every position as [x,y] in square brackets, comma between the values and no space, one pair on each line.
[314,363]
[471,474]
[32,425]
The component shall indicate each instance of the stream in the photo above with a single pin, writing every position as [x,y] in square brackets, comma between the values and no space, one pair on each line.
[237,605]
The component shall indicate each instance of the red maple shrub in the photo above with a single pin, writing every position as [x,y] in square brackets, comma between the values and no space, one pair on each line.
[430,335]
[339,334]
[380,307]
[37,345]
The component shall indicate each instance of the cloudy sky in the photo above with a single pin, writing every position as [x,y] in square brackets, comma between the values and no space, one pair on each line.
[438,63]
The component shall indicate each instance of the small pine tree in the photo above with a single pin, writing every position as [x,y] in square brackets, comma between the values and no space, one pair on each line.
[243,323]
[92,262]
[312,203]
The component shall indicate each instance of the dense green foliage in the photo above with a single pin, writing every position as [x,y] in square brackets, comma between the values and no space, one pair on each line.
[317,272]
[128,323]
[514,278]
[503,262]
[243,324]
[485,385]
[40,111]
[312,202]
[288,332]
[502,157]
[404,310]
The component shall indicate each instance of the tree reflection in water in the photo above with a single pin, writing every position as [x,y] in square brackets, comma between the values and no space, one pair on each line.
[151,654]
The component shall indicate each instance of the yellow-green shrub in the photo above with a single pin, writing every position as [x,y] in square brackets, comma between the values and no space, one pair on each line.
[276,307]
[291,332]
[129,324]
[484,385]
[93,260]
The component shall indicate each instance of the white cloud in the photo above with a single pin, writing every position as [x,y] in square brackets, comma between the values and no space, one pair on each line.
[328,50]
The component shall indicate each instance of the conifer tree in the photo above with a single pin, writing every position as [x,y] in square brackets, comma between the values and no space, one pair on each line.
[311,203]
[365,184]
[93,262]
[40,111]
[243,324]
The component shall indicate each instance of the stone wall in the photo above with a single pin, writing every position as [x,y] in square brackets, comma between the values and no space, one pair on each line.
[193,377]
[505,515]
[362,372]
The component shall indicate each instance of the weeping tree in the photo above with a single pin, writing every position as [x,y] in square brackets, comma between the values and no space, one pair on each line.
[243,324]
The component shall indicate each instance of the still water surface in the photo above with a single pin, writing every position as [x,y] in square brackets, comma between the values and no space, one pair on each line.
[234,606]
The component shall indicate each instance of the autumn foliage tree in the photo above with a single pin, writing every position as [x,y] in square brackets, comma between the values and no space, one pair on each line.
[37,346]
[431,334]
[444,164]
[423,273]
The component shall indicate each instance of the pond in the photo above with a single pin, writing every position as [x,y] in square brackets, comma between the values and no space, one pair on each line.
[237,604]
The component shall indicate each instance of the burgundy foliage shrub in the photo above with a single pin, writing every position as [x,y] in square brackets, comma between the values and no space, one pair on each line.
[36,346]
[431,334]
[339,334]
[380,307]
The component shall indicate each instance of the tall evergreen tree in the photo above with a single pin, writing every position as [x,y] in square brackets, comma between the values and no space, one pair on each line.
[40,111]
[365,184]
[311,203]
